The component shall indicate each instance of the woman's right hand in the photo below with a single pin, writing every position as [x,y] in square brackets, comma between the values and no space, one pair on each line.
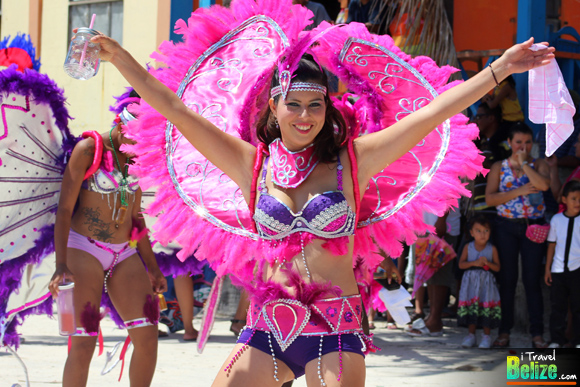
[109,46]
[61,272]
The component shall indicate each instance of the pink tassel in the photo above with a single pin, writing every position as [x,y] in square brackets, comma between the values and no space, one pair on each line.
[151,309]
[136,236]
[91,317]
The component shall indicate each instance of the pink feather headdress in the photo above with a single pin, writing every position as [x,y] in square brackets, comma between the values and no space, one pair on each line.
[290,60]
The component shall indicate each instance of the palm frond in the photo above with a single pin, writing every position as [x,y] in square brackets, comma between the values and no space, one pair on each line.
[427,28]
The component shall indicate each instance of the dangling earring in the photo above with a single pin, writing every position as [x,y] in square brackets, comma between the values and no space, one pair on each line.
[276,121]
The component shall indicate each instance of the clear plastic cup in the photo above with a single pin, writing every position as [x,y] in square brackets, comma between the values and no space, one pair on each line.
[66,310]
[82,61]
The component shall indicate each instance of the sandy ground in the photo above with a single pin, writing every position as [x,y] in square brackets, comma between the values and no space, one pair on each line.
[403,360]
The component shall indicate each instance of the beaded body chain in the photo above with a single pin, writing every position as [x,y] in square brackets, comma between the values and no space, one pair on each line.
[122,213]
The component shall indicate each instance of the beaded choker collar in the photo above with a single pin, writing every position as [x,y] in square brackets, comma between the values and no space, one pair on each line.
[286,86]
[290,169]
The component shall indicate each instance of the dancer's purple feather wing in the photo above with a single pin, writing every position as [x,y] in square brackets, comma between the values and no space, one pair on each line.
[34,143]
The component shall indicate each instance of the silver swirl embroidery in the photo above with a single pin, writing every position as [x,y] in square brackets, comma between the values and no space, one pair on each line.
[409,106]
[225,83]
[352,52]
[286,169]
[396,68]
[357,58]
[261,34]
[285,173]
[269,36]
[196,170]
[210,112]
[233,203]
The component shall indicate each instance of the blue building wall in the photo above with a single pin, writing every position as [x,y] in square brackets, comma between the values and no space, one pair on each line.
[180,9]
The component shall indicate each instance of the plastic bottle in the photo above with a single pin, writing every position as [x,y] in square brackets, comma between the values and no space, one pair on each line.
[66,310]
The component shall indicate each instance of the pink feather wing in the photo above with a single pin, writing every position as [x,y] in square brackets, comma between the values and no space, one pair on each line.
[427,178]
[221,69]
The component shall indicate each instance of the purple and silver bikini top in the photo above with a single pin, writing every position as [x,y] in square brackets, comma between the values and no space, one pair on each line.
[326,215]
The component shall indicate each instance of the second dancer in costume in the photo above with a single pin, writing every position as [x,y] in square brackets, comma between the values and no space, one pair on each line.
[96,247]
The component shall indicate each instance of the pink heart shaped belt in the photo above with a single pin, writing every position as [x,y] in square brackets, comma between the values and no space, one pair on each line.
[287,319]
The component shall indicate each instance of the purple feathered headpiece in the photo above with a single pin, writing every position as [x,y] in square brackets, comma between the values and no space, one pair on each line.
[121,103]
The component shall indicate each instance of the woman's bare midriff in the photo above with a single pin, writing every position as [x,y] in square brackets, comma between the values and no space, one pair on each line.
[324,267]
[94,217]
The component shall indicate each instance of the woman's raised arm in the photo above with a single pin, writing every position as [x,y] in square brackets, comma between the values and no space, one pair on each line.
[232,155]
[377,150]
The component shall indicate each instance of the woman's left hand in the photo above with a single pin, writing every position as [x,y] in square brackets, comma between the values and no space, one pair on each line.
[519,58]
[158,281]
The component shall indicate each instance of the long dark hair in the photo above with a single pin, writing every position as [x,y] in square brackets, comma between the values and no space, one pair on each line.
[333,134]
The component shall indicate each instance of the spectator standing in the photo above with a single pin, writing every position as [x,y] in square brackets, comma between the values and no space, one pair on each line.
[343,13]
[562,272]
[513,186]
[438,286]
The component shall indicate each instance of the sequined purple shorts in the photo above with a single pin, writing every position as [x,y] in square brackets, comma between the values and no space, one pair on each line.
[304,349]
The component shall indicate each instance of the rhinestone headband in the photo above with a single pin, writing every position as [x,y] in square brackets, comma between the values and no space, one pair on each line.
[125,116]
[300,86]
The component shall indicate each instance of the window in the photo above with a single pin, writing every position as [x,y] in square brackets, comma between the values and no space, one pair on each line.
[109,19]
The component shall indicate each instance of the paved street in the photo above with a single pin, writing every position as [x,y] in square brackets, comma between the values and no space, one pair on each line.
[403,360]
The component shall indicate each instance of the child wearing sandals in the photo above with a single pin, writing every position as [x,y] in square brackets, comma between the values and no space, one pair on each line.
[479,301]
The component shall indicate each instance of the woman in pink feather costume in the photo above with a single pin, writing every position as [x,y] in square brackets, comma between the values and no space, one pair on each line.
[301,287]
